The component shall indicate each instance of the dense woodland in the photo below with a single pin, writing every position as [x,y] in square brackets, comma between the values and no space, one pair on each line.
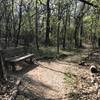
[64,24]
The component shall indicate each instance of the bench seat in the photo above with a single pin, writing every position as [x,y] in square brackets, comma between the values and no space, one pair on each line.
[15,55]
[18,59]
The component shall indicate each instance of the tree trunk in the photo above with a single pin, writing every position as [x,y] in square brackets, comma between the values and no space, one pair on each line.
[36,27]
[81,33]
[91,36]
[65,30]
[6,31]
[58,37]
[58,30]
[76,32]
[13,22]
[47,39]
[19,26]
[78,28]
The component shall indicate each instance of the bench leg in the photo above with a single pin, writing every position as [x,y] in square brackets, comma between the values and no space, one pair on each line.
[31,61]
[13,67]
[26,61]
[6,65]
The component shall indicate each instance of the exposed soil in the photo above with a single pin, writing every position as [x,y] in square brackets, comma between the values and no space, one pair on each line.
[62,79]
[47,80]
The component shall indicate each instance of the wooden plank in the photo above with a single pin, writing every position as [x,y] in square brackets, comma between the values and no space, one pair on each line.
[13,56]
[22,58]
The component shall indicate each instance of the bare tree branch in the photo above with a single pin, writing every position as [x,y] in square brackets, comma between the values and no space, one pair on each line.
[91,4]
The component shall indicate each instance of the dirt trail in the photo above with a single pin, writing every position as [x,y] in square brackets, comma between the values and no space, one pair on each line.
[50,80]
[47,80]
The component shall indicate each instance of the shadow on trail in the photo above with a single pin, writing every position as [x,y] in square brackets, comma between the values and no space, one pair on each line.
[26,68]
[42,66]
[29,79]
[35,90]
[32,88]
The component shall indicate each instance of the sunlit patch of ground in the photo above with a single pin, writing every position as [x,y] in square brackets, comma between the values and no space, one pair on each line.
[61,79]
[48,80]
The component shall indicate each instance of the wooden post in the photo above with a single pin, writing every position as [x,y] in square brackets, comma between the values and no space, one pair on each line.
[2,67]
[1,70]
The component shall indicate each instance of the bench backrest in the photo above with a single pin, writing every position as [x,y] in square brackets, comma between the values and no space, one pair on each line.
[15,51]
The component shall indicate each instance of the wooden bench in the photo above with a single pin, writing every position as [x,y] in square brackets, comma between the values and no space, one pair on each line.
[15,55]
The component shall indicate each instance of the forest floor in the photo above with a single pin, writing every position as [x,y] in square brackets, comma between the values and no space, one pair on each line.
[59,79]
[49,81]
